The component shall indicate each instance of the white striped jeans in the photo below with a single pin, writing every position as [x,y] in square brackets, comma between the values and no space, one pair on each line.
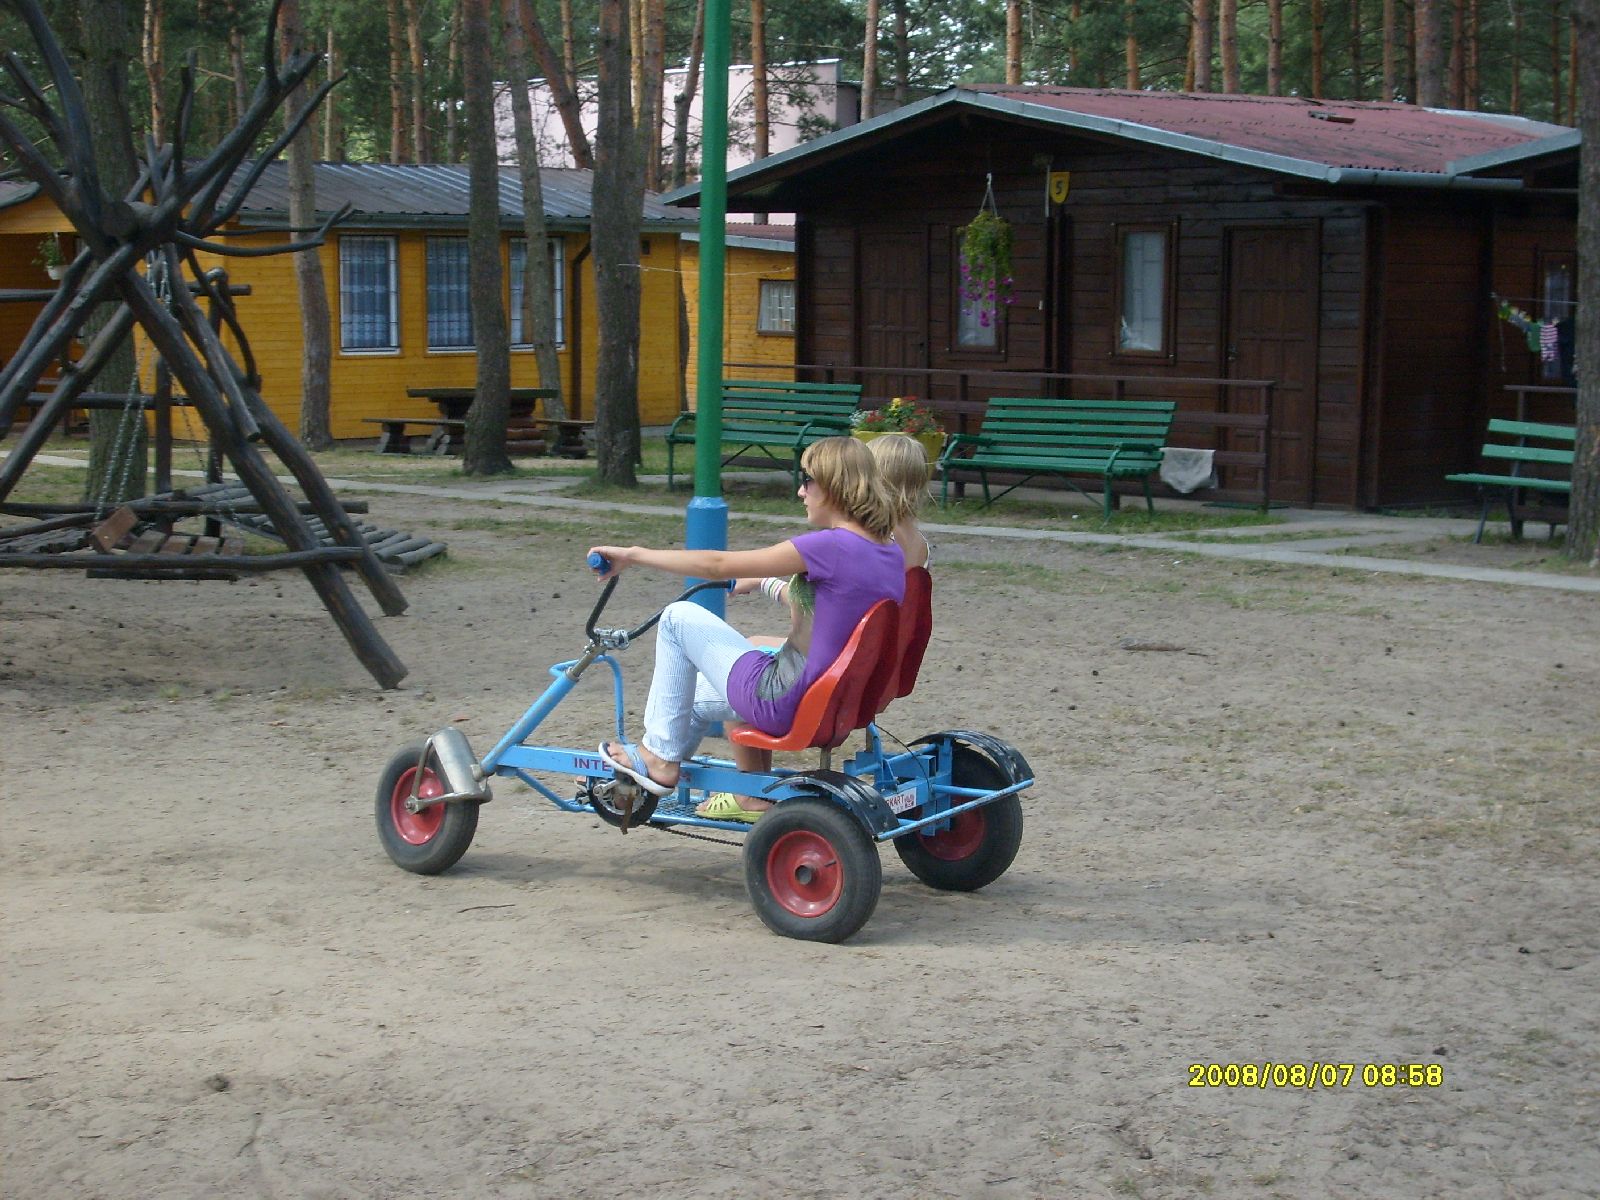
[695,651]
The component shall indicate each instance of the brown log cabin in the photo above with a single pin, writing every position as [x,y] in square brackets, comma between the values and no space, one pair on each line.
[1172,245]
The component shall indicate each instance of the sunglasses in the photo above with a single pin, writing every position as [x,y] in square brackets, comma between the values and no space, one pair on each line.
[806,479]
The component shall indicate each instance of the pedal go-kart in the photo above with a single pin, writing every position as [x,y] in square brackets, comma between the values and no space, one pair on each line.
[948,801]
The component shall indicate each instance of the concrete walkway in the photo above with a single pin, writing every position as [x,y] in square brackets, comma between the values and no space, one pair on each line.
[1344,530]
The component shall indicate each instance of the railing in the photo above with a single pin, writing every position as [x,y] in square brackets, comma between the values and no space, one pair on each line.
[1225,412]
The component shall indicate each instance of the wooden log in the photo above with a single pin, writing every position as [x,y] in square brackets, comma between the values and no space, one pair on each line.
[158,506]
[171,563]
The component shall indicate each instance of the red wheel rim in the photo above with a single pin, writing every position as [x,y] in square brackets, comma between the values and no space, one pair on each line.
[416,828]
[804,874]
[961,840]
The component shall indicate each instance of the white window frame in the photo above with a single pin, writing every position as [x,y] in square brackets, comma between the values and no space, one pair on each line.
[558,279]
[775,307]
[438,287]
[347,289]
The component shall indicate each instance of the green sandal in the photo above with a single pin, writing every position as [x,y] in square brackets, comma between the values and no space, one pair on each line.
[725,806]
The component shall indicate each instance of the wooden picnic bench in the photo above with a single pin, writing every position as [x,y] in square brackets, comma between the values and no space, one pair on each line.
[1028,436]
[1527,446]
[773,416]
[526,433]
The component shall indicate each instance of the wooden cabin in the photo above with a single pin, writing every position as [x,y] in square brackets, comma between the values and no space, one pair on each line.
[396,274]
[1176,245]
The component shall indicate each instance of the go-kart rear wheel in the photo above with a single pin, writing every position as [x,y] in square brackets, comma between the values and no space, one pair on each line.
[812,871]
[431,839]
[977,846]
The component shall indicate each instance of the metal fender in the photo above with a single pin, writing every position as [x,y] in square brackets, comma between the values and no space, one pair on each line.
[1006,757]
[458,766]
[856,797]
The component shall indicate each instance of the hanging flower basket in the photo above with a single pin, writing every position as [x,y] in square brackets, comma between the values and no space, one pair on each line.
[986,257]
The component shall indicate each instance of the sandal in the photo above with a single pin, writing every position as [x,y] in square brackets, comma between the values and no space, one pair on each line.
[637,771]
[725,806]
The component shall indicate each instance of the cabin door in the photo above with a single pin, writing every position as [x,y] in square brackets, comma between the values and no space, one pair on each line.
[894,312]
[1272,334]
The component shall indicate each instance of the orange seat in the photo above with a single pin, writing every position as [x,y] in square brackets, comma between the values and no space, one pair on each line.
[831,707]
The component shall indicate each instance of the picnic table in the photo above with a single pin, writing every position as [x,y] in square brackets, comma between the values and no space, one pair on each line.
[526,433]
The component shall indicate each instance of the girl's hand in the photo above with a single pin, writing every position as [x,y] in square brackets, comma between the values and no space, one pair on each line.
[616,557]
[743,587]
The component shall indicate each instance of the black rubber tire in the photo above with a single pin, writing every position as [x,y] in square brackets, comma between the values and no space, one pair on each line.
[979,844]
[425,842]
[812,871]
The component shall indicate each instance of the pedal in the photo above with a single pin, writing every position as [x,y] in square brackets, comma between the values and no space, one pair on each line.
[621,802]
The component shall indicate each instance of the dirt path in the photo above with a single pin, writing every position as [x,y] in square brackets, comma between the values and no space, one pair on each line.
[1351,820]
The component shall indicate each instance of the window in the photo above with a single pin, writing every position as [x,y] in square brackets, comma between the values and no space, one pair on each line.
[1143,292]
[776,311]
[368,312]
[449,295]
[977,319]
[558,279]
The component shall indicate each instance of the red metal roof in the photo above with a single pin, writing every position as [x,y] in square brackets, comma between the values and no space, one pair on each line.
[1365,135]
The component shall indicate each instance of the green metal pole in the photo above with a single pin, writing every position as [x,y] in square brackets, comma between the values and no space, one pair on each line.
[707,517]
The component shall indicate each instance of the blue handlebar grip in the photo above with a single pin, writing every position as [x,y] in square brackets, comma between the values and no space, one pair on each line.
[599,562]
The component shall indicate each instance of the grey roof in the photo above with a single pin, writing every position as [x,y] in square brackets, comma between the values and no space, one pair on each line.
[1561,143]
[436,196]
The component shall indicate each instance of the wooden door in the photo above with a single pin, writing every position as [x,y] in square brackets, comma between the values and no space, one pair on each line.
[1271,333]
[893,308]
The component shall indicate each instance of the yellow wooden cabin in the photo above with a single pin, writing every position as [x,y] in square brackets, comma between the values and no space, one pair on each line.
[396,274]
[758,301]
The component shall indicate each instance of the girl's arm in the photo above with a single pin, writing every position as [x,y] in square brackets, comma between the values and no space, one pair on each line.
[779,559]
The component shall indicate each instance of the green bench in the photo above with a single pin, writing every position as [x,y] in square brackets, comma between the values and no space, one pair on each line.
[1526,445]
[1109,439]
[776,418]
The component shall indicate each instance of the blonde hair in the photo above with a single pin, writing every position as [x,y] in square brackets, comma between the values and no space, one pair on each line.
[846,470]
[905,469]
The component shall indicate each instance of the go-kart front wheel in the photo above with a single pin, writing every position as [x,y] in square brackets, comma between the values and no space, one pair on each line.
[812,871]
[431,839]
[975,847]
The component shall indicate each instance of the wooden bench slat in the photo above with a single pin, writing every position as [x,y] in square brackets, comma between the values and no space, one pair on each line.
[1540,429]
[1554,480]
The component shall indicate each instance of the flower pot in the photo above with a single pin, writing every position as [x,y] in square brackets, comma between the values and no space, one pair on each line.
[56,272]
[932,443]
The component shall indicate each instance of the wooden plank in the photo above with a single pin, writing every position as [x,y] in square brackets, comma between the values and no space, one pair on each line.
[109,532]
[148,542]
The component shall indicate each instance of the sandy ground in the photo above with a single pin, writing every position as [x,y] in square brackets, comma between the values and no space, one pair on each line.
[1352,821]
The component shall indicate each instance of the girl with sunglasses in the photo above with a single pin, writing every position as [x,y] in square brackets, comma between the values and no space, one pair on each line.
[706,671]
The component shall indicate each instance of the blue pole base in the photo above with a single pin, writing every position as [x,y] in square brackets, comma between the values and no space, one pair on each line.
[706,528]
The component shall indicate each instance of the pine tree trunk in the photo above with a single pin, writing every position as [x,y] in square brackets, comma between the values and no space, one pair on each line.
[869,62]
[538,291]
[1583,528]
[485,451]
[1130,47]
[1555,62]
[421,148]
[1430,55]
[1358,84]
[902,54]
[155,67]
[118,453]
[1458,56]
[618,216]
[1013,42]
[332,138]
[1391,51]
[1516,59]
[397,121]
[683,102]
[1274,47]
[1317,49]
[1204,37]
[316,431]
[762,116]
[239,96]
[562,82]
[1228,36]
[452,123]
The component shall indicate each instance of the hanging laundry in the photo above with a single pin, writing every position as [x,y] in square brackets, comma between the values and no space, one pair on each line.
[1547,342]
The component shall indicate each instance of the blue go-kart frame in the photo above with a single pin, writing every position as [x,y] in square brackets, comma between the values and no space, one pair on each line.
[948,802]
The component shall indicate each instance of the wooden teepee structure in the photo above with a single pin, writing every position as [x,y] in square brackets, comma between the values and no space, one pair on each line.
[139,253]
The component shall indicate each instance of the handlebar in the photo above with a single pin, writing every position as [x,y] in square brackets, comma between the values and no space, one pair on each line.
[599,562]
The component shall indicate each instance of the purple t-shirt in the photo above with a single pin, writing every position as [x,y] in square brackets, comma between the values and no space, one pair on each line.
[849,574]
